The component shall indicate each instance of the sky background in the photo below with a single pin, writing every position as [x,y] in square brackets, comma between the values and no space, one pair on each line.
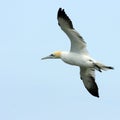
[32,89]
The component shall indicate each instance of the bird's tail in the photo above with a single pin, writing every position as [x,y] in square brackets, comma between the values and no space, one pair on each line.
[100,67]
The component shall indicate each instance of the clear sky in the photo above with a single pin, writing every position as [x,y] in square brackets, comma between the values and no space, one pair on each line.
[32,89]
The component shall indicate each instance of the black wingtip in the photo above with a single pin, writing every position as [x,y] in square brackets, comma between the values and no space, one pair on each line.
[94,89]
[61,14]
[94,93]
[60,9]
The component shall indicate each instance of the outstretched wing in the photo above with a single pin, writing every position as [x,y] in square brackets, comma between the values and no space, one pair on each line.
[88,78]
[78,45]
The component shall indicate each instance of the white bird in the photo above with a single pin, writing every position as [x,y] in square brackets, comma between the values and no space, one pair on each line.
[78,54]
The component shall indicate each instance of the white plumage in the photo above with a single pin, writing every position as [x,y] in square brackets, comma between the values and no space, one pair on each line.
[78,54]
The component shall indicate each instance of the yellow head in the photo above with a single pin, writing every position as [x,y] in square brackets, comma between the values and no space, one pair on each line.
[57,54]
[54,55]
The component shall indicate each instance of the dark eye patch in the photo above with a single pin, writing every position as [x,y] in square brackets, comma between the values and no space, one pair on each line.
[51,55]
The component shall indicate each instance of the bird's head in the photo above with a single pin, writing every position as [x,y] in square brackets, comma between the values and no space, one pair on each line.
[54,55]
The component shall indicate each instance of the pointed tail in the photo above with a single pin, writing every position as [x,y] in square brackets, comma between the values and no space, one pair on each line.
[100,67]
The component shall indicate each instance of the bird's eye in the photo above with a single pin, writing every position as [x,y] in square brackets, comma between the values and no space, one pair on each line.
[51,55]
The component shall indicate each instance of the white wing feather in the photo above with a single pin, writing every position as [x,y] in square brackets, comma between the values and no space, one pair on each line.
[78,45]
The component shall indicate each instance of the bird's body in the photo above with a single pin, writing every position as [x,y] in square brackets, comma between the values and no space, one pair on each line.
[78,54]
[76,59]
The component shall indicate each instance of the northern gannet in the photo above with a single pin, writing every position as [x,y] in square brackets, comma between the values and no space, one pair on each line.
[78,54]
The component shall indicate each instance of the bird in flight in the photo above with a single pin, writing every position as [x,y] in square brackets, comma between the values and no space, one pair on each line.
[78,54]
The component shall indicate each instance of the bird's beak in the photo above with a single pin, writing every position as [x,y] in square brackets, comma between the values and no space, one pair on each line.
[48,57]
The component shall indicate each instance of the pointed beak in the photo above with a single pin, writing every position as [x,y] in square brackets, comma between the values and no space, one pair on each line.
[48,57]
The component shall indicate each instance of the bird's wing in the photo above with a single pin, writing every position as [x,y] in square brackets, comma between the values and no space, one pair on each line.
[78,45]
[88,78]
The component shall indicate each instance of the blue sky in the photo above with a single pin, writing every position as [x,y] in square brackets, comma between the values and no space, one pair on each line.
[31,89]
